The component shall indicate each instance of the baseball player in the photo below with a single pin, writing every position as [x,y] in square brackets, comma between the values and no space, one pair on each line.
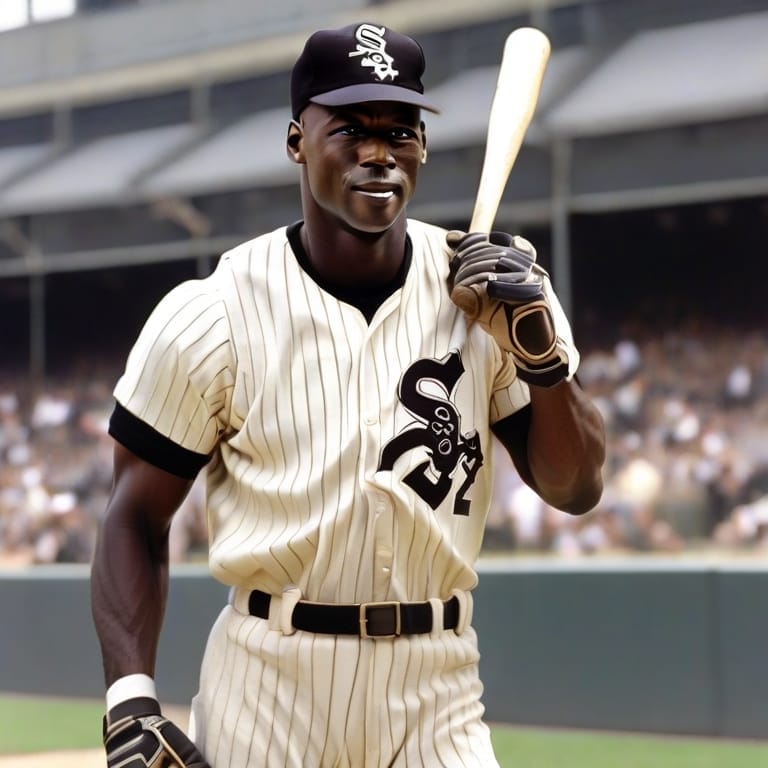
[344,406]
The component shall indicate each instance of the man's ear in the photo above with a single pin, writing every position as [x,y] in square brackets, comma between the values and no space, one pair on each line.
[423,143]
[293,142]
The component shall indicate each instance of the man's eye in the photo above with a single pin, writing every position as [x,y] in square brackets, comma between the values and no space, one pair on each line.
[401,134]
[358,131]
[349,130]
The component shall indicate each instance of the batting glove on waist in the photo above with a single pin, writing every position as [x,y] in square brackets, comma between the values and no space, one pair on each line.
[496,281]
[136,735]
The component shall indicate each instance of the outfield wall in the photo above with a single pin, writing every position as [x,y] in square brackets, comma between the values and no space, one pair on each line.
[638,645]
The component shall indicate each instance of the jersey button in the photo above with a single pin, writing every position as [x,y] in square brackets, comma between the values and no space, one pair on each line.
[370,420]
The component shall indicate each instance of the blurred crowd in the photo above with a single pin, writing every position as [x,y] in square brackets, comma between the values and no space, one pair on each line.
[687,457]
[56,472]
[687,468]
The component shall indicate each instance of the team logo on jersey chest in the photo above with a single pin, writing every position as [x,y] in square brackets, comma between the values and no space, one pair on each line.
[426,390]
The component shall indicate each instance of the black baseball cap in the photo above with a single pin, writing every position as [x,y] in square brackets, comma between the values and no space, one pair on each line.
[357,63]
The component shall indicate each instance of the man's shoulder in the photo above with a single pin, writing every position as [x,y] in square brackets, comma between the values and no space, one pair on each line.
[429,239]
[418,227]
[258,244]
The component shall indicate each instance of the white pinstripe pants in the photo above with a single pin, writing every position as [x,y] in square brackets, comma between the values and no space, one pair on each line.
[270,700]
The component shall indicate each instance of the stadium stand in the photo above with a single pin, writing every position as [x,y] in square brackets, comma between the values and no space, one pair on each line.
[134,149]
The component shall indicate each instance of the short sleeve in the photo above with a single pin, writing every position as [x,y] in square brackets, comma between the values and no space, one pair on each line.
[180,373]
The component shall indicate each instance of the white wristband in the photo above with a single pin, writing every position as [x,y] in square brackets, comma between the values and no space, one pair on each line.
[130,687]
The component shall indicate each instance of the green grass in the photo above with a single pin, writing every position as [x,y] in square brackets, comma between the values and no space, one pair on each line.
[31,724]
[545,748]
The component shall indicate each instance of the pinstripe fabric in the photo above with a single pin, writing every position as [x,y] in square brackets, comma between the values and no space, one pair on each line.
[337,702]
[296,396]
[298,400]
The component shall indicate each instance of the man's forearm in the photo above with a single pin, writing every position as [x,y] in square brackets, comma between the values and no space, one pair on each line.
[566,447]
[129,587]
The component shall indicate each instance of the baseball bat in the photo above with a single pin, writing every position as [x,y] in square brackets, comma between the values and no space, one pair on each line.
[524,60]
[525,57]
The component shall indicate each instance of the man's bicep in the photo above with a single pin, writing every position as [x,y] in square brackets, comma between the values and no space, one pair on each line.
[143,493]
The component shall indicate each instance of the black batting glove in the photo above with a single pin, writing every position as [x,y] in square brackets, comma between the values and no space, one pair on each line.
[136,735]
[496,281]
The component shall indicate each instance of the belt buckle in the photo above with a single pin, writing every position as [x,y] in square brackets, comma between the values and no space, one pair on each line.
[365,607]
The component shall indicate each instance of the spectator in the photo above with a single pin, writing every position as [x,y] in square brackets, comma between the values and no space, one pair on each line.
[687,466]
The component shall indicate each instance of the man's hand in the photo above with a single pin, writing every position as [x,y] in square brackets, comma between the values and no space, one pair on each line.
[136,735]
[496,281]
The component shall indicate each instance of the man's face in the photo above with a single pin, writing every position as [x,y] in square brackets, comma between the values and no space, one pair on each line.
[362,160]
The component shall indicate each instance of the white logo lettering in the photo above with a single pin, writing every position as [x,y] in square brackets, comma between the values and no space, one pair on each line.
[372,47]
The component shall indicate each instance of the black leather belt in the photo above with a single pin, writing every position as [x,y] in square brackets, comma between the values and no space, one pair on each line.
[386,619]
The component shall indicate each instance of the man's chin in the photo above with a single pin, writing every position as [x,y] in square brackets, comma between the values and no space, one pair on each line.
[375,226]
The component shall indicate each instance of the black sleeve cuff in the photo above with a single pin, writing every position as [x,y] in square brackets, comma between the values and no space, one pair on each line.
[152,446]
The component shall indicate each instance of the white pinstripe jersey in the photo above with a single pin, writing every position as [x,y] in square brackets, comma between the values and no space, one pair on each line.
[350,459]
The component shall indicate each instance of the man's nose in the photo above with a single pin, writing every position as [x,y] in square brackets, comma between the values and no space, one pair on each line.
[376,151]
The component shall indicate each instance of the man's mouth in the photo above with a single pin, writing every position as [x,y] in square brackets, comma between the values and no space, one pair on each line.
[379,195]
[376,191]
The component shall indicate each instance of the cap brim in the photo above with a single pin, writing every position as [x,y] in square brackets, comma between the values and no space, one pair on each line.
[362,92]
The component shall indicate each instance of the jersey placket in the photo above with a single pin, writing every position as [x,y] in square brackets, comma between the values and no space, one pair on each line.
[380,507]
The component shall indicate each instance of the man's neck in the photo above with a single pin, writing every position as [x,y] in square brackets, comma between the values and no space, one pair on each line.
[344,256]
[367,297]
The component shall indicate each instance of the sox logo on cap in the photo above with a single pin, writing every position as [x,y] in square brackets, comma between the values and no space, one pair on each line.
[372,46]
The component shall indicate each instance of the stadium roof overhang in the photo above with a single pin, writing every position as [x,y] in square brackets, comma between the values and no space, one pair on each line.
[99,173]
[670,116]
